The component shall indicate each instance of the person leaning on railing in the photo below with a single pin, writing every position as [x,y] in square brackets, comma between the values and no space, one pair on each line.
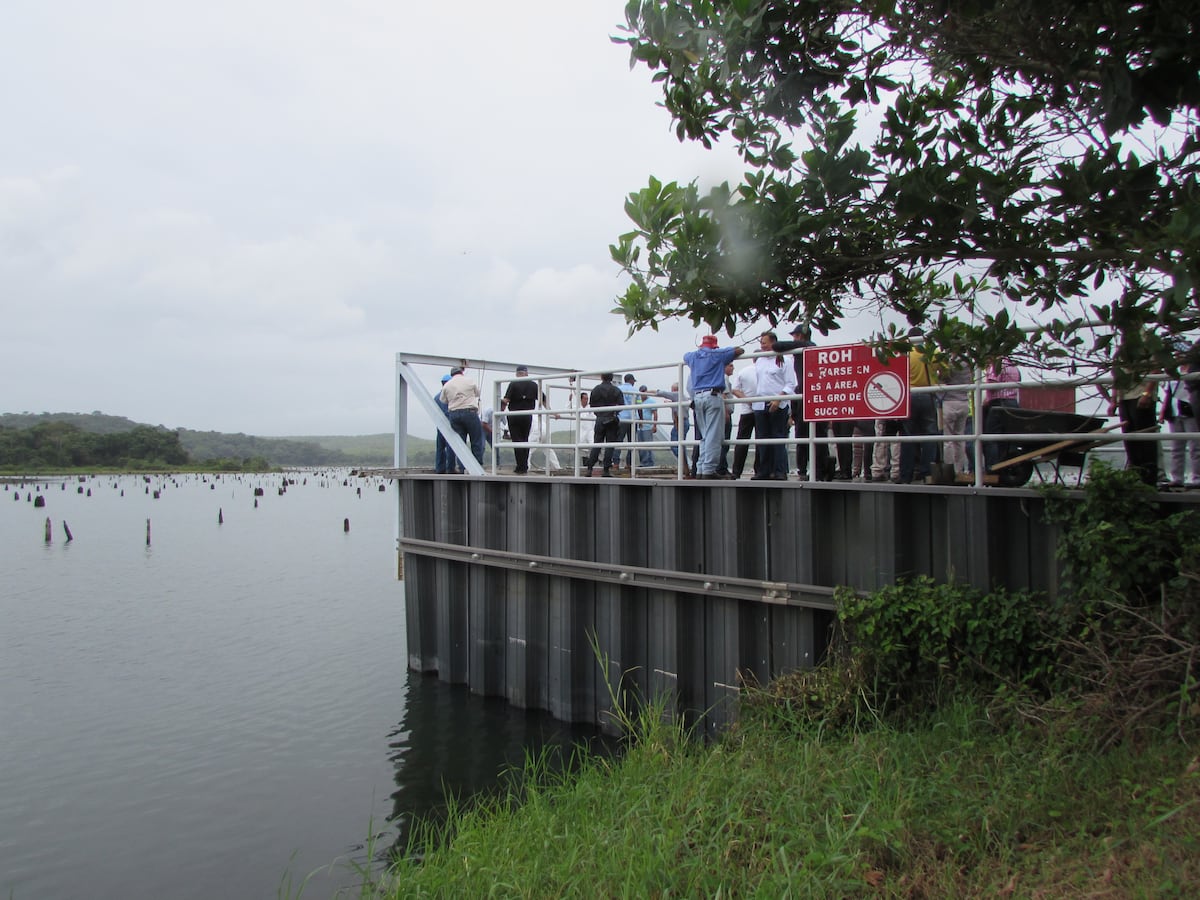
[708,363]
[461,396]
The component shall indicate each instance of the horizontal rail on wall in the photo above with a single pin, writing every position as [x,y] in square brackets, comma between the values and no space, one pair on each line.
[780,593]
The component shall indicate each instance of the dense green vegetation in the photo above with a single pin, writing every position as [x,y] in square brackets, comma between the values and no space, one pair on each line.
[58,445]
[955,743]
[208,448]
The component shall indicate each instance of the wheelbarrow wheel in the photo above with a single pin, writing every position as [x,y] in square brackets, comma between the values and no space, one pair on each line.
[1016,475]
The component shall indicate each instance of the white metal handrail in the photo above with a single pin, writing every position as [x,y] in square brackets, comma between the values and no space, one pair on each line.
[553,382]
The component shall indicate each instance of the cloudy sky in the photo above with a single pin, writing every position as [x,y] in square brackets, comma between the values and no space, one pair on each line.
[232,215]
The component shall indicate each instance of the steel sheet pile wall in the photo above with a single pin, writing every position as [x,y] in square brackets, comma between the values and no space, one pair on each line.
[527,631]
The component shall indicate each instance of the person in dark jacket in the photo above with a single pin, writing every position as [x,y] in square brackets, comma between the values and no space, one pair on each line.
[803,338]
[605,396]
[521,397]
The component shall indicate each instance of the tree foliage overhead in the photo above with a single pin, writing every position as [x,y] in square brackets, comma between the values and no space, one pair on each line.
[947,160]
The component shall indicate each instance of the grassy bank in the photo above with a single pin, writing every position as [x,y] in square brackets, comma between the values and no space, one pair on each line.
[953,743]
[954,807]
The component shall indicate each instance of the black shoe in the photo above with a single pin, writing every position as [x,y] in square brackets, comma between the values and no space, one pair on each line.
[760,477]
[606,474]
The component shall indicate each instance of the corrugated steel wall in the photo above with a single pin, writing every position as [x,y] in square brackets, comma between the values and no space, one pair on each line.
[525,630]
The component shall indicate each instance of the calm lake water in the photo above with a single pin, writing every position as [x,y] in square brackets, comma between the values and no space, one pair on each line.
[227,707]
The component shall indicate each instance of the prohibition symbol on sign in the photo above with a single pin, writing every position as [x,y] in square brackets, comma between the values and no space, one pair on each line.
[884,393]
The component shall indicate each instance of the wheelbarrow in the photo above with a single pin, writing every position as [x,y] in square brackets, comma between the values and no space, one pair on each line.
[1025,450]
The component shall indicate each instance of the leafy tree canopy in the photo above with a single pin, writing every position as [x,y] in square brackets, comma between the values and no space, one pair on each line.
[949,160]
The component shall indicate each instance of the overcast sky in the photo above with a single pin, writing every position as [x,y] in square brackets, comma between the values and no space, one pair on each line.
[230,216]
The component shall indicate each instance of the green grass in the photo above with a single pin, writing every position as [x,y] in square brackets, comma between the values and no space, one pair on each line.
[955,807]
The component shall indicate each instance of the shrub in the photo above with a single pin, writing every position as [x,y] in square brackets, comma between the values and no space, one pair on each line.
[1121,643]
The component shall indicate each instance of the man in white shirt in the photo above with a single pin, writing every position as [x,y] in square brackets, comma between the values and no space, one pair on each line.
[775,376]
[745,386]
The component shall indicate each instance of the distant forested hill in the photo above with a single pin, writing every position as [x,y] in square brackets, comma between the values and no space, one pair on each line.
[96,422]
[357,450]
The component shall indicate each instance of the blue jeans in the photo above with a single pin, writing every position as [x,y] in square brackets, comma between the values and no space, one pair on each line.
[687,426]
[710,414]
[916,459]
[645,434]
[467,426]
[443,459]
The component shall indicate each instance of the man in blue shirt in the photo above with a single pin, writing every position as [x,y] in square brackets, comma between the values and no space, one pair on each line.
[444,461]
[708,394]
[625,417]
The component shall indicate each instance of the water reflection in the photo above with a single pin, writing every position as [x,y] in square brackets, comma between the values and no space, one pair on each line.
[453,743]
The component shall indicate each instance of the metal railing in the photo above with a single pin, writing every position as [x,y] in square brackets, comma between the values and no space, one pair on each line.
[563,390]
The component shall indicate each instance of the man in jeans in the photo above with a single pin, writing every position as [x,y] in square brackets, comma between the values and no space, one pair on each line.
[708,394]
[461,396]
[647,422]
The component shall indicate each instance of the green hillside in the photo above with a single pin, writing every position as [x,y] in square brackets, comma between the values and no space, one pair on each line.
[325,450]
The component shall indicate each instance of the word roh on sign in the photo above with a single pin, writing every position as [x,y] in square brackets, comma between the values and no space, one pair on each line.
[850,382]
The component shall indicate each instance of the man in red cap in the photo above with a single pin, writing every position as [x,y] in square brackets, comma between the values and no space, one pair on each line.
[708,396]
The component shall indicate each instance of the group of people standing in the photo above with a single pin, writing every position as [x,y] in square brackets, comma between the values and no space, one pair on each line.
[757,399]
[753,404]
[460,399]
[1177,407]
[931,413]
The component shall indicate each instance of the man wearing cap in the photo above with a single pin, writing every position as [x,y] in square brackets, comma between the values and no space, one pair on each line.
[803,338]
[461,396]
[625,418]
[606,396]
[521,396]
[708,395]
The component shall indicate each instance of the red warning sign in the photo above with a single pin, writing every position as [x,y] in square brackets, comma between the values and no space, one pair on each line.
[849,382]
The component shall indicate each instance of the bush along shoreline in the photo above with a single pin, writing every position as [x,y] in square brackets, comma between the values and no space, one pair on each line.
[954,743]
